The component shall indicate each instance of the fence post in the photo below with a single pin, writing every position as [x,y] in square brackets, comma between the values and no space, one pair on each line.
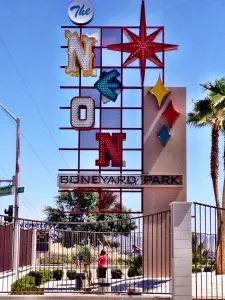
[181,244]
[16,250]
[34,248]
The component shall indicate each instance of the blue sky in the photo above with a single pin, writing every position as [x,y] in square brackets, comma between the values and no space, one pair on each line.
[30,56]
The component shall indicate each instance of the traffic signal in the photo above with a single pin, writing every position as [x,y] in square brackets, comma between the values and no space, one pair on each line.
[9,212]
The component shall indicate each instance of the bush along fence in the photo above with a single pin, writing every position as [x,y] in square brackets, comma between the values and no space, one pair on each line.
[149,254]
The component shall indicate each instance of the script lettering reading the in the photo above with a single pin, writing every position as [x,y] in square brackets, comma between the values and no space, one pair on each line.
[79,104]
[80,54]
[110,149]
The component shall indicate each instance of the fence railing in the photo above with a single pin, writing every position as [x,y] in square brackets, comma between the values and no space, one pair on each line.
[208,252]
[65,257]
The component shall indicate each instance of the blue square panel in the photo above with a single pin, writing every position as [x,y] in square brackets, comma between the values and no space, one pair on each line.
[111,118]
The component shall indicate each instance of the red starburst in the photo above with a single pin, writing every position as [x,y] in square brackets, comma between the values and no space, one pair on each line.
[143,46]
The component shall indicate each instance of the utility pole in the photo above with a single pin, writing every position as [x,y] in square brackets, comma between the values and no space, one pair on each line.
[16,183]
[17,173]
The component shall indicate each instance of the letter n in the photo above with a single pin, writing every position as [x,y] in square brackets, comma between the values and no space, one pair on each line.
[80,54]
[110,149]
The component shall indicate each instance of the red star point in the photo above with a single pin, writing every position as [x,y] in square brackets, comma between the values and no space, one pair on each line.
[171,114]
[143,46]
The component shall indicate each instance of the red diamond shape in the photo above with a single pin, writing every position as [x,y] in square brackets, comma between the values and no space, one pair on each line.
[171,114]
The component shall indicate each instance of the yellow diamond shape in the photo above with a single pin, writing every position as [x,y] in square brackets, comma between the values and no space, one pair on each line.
[159,91]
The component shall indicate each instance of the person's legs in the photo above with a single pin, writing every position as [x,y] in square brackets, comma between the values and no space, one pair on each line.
[104,272]
[101,273]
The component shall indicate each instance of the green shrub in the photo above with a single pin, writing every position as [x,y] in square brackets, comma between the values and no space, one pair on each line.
[196,269]
[71,274]
[25,284]
[37,277]
[41,276]
[58,274]
[116,274]
[132,272]
[198,259]
[46,275]
[135,264]
[84,255]
[208,269]
[55,259]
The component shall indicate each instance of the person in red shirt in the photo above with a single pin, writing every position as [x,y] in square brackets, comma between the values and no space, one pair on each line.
[102,264]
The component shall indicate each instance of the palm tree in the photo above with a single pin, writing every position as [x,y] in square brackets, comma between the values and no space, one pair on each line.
[211,112]
[205,114]
[216,94]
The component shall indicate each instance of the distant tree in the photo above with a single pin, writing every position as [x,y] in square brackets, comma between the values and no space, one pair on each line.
[199,250]
[95,226]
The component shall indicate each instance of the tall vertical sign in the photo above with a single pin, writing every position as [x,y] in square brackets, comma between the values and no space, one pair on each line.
[123,129]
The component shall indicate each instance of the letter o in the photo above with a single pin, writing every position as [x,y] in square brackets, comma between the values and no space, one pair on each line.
[78,103]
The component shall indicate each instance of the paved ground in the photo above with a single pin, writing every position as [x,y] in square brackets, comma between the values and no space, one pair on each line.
[116,286]
[206,284]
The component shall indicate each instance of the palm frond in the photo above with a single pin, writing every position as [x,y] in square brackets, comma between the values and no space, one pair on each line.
[193,120]
[215,88]
[217,100]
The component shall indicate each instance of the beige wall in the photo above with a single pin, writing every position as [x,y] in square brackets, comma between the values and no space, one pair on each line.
[170,159]
[162,160]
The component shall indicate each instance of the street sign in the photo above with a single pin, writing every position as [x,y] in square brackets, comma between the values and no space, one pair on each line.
[6,190]
[20,190]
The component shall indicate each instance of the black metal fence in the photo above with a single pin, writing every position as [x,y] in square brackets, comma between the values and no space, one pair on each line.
[64,257]
[208,252]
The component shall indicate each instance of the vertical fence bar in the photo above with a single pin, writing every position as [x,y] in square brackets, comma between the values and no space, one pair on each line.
[222,245]
[195,252]
[16,249]
[205,236]
[216,243]
[210,233]
[147,252]
[161,248]
[152,248]
[200,234]
[170,247]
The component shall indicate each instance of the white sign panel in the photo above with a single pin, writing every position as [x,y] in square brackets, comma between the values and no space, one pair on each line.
[97,180]
[33,225]
[81,12]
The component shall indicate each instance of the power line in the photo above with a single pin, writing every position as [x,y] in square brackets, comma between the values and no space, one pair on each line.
[35,152]
[32,98]
[38,156]
[36,216]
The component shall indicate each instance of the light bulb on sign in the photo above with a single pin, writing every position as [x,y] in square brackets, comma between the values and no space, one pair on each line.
[81,12]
